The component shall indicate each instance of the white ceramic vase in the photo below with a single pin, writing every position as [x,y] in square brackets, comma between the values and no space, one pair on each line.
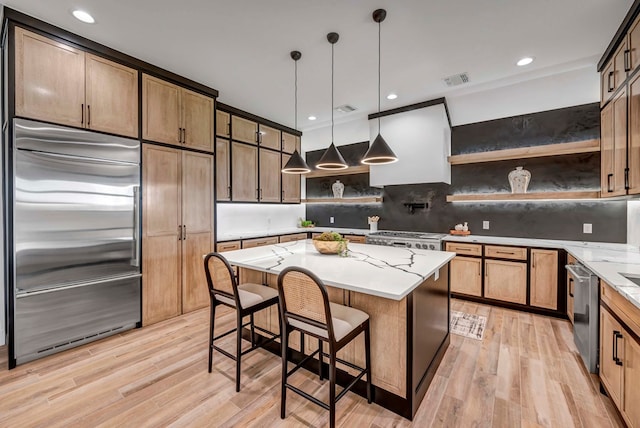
[519,180]
[338,189]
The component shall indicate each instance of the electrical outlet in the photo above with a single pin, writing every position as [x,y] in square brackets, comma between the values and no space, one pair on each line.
[587,228]
[485,225]
[331,219]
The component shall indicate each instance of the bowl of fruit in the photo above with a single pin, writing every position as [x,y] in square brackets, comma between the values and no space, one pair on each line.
[330,243]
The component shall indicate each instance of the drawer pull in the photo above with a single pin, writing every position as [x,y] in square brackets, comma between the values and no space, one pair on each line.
[511,253]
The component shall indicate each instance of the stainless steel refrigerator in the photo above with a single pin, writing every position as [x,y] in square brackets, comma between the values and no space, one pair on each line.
[75,237]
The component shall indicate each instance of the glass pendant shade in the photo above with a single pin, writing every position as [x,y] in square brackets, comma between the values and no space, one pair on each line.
[332,159]
[296,165]
[379,153]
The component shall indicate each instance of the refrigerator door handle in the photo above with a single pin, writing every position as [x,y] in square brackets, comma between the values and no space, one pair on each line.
[70,286]
[136,227]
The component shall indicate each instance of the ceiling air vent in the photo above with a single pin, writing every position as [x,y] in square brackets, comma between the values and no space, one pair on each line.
[346,108]
[457,79]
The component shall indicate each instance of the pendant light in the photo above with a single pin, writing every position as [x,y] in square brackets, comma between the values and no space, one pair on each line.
[332,159]
[379,153]
[295,164]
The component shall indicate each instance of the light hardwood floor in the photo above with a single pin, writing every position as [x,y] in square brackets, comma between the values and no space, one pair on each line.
[525,373]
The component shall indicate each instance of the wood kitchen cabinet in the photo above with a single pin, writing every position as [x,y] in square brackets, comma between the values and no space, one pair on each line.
[223,170]
[290,184]
[633,157]
[177,229]
[290,143]
[506,281]
[269,175]
[244,130]
[292,238]
[244,172]
[61,84]
[175,115]
[270,137]
[223,124]
[356,239]
[466,275]
[543,291]
[613,143]
[259,242]
[620,352]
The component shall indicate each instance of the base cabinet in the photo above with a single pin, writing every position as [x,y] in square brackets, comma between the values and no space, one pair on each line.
[544,279]
[506,281]
[466,276]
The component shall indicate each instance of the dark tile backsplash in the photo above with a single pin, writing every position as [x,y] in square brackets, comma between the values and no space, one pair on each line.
[536,219]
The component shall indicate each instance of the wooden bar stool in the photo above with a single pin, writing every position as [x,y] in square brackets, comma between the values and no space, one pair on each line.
[305,306]
[246,299]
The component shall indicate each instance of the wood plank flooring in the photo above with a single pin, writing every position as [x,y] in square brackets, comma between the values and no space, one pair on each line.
[525,373]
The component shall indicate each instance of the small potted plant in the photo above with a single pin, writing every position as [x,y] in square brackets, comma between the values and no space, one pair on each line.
[330,243]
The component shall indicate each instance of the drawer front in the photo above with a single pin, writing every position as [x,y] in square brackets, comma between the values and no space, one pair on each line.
[252,243]
[296,237]
[511,253]
[356,239]
[464,249]
[228,246]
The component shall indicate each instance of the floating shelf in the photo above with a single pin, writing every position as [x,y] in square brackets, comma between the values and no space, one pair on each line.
[586,146]
[522,196]
[358,169]
[362,200]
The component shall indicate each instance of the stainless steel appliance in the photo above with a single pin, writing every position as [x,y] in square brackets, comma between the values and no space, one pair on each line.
[75,237]
[585,314]
[427,241]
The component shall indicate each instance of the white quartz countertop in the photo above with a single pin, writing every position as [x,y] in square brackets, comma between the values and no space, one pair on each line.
[608,261]
[234,236]
[383,271]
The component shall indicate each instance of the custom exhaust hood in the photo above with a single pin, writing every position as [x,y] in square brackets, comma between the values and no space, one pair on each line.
[420,136]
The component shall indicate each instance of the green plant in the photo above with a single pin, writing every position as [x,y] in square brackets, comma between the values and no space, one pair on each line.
[306,223]
[329,236]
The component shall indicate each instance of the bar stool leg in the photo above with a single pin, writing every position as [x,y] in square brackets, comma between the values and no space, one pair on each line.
[238,348]
[367,358]
[211,323]
[253,332]
[284,344]
[320,358]
[332,389]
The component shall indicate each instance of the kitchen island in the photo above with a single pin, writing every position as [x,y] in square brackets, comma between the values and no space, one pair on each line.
[404,291]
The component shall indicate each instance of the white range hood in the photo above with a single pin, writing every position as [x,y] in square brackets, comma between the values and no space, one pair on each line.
[420,136]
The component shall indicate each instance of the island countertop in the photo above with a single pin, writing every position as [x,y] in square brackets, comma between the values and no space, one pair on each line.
[378,270]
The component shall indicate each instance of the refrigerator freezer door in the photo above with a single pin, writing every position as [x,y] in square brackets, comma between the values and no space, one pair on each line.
[51,321]
[74,220]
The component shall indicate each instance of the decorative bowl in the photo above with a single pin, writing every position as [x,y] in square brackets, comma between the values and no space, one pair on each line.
[330,247]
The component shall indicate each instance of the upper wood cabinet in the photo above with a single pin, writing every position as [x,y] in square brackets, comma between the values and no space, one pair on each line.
[544,279]
[269,176]
[223,124]
[290,142]
[244,172]
[633,143]
[223,170]
[466,275]
[290,184]
[613,143]
[269,137]
[506,281]
[175,115]
[61,84]
[244,130]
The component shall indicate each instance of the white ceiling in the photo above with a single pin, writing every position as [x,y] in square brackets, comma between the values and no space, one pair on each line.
[241,47]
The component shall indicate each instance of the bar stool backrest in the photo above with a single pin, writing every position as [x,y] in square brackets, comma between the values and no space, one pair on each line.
[220,277]
[304,297]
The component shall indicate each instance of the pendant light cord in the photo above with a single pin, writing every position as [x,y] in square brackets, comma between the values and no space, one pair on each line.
[379,72]
[332,44]
[295,120]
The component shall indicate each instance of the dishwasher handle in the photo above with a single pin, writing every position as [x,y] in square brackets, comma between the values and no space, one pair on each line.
[579,273]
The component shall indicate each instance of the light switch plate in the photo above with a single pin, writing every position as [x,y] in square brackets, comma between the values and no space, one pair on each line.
[485,225]
[331,220]
[587,228]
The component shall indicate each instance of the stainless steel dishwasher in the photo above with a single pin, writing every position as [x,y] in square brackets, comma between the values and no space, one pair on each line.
[585,314]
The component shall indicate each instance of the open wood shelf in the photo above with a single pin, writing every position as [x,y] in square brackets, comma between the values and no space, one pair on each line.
[523,196]
[585,146]
[361,200]
[358,169]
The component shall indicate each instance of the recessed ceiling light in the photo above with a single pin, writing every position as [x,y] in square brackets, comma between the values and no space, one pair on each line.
[525,61]
[83,16]
[312,118]
[392,96]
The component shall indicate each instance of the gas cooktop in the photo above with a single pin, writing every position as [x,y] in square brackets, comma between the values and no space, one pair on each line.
[425,240]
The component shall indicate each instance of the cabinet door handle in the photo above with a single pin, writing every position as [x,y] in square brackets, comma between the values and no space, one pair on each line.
[486,270]
[627,65]
[533,261]
[179,232]
[179,135]
[82,110]
[617,335]
[258,137]
[626,178]
[258,194]
[609,177]
[228,128]
[229,192]
[609,84]
[571,287]
[88,115]
[184,135]
[184,232]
